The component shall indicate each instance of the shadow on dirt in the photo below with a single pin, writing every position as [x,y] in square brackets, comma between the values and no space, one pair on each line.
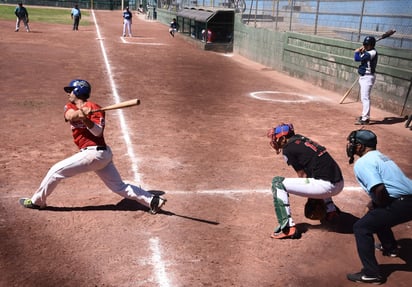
[405,253]
[342,224]
[127,205]
[124,204]
[389,121]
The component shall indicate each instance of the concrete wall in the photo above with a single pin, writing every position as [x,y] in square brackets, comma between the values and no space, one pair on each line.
[328,63]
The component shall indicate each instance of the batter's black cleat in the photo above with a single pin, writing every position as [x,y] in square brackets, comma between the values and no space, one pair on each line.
[361,277]
[390,253]
[156,204]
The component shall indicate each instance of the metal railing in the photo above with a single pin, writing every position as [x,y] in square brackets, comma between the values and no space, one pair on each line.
[348,20]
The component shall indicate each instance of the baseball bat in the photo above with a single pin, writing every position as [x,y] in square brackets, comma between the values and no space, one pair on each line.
[348,91]
[121,105]
[384,35]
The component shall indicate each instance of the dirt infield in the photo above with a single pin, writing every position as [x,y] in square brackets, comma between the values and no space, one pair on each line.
[198,137]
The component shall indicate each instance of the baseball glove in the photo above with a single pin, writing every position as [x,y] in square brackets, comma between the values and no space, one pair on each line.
[315,209]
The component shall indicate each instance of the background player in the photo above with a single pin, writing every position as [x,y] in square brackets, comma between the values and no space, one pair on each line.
[368,57]
[319,177]
[127,22]
[173,27]
[22,15]
[94,155]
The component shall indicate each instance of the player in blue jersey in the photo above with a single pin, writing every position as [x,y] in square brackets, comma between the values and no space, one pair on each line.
[390,191]
[368,56]
[127,22]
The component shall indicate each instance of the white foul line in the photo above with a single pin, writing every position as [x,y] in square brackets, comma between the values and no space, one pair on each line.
[141,43]
[158,264]
[116,97]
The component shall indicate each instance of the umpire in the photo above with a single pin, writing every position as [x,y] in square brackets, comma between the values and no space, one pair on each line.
[390,191]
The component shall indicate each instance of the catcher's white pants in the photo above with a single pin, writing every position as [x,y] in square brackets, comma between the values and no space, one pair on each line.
[127,25]
[310,188]
[99,161]
[366,82]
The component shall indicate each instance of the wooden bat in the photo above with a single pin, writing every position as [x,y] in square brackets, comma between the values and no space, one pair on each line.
[384,35]
[121,105]
[348,91]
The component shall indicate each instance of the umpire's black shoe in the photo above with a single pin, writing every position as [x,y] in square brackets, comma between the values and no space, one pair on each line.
[361,277]
[390,253]
[156,204]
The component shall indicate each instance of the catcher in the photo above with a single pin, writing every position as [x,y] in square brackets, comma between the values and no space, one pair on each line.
[319,178]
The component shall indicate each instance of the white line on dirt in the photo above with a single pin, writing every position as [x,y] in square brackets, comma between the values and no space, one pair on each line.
[241,191]
[272,97]
[116,98]
[123,39]
[220,191]
[158,262]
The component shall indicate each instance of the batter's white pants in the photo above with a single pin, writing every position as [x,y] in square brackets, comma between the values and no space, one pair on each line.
[127,25]
[310,188]
[366,82]
[99,161]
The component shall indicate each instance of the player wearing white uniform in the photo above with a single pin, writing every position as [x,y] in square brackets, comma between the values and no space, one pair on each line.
[319,177]
[368,57]
[94,155]
[127,22]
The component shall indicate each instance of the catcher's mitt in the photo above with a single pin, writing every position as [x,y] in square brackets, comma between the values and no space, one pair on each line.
[315,209]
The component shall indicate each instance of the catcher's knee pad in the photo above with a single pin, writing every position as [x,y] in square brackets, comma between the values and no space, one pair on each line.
[277,182]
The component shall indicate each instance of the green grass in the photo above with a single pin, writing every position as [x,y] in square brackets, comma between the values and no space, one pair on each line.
[44,15]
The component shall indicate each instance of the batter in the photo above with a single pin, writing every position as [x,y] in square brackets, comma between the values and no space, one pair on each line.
[368,57]
[94,155]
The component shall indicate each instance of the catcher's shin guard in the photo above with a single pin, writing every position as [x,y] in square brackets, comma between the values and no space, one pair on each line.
[282,213]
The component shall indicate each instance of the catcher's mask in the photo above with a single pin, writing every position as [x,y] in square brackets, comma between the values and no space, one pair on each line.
[277,135]
[364,137]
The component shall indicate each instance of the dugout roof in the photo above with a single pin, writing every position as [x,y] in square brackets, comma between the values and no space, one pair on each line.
[197,15]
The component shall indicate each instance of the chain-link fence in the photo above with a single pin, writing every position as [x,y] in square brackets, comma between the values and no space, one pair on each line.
[350,20]
[83,4]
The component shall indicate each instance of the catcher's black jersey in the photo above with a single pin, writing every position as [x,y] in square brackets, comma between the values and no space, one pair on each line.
[304,154]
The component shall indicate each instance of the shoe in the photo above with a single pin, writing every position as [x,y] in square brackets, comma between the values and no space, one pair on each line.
[362,122]
[124,35]
[363,278]
[17,30]
[390,253]
[156,204]
[27,203]
[287,232]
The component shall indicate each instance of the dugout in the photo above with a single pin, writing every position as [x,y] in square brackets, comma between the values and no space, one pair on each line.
[210,29]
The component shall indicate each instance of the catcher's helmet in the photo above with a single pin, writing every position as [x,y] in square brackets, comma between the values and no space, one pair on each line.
[286,130]
[80,88]
[369,40]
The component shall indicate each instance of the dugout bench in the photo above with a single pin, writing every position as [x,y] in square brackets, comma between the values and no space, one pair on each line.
[208,29]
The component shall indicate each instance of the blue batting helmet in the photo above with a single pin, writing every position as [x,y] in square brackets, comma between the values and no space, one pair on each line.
[80,88]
